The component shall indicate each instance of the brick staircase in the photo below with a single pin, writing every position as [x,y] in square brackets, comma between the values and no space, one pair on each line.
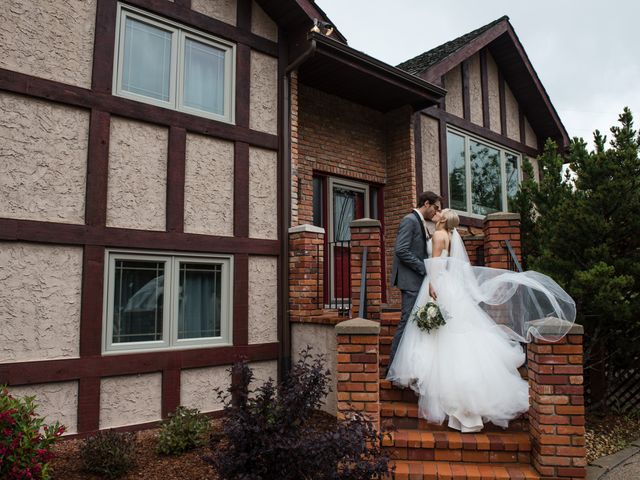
[420,450]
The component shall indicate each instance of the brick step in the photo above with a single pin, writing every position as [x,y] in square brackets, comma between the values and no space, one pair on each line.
[410,470]
[390,392]
[390,318]
[404,415]
[497,447]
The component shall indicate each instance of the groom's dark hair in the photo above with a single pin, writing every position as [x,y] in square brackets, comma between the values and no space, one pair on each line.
[428,196]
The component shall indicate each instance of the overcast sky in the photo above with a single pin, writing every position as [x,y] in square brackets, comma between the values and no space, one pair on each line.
[584,51]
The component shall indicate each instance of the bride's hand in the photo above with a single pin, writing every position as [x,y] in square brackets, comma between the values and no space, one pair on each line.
[432,292]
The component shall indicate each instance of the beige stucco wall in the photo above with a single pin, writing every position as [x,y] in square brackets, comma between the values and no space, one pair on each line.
[494,93]
[475,90]
[137,175]
[263,112]
[43,167]
[262,24]
[513,114]
[49,39]
[197,387]
[453,84]
[208,189]
[263,299]
[262,371]
[531,138]
[56,402]
[225,10]
[536,168]
[430,153]
[263,193]
[323,340]
[130,399]
[40,293]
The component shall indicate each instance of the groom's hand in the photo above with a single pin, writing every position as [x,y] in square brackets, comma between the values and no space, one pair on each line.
[432,292]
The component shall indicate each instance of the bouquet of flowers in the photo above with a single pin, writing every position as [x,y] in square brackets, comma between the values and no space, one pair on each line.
[429,317]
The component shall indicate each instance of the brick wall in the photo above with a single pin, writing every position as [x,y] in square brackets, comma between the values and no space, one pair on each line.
[366,234]
[306,279]
[499,227]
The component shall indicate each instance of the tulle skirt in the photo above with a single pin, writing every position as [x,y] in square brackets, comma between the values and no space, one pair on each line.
[466,371]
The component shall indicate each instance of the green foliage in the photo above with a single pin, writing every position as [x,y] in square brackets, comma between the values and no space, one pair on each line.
[584,231]
[109,453]
[25,440]
[184,430]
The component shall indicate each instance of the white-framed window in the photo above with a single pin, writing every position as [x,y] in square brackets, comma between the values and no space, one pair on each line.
[483,177]
[163,301]
[167,64]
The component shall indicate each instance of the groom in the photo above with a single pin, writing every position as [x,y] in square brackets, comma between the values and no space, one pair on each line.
[410,251]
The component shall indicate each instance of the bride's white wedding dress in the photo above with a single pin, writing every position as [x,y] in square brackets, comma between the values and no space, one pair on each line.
[467,370]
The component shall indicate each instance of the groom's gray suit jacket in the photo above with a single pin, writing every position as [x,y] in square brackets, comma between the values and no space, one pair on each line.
[411,249]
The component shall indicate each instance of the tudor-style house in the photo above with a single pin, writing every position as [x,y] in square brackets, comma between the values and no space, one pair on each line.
[184,183]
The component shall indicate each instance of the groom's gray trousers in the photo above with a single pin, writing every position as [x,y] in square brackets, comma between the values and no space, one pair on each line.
[408,300]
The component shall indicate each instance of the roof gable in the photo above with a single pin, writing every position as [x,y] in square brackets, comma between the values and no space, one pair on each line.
[505,47]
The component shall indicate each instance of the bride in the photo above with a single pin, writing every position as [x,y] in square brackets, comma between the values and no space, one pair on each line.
[466,371]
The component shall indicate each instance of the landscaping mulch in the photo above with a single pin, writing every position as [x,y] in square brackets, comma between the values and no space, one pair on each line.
[610,433]
[68,465]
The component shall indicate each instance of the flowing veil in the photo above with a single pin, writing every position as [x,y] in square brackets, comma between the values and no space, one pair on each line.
[522,305]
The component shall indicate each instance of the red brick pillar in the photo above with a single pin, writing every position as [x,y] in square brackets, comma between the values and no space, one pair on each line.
[556,415]
[366,233]
[499,227]
[358,352]
[306,279]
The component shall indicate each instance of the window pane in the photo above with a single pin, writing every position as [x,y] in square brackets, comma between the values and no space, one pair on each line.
[147,60]
[199,311]
[318,202]
[485,178]
[203,77]
[138,301]
[348,205]
[457,172]
[513,176]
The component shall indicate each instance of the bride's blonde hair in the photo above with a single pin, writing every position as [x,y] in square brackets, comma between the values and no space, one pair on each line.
[450,219]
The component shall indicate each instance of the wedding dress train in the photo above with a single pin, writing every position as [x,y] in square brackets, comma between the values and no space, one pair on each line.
[467,370]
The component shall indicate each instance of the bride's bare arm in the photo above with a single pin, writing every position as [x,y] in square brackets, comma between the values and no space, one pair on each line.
[439,243]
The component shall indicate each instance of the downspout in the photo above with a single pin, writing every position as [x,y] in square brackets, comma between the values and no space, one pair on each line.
[285,213]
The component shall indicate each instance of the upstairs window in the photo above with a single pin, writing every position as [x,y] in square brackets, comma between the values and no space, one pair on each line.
[169,65]
[483,177]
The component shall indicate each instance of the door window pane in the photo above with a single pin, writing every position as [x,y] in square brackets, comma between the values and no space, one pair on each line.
[457,172]
[203,77]
[138,301]
[513,176]
[200,291]
[147,60]
[485,178]
[348,205]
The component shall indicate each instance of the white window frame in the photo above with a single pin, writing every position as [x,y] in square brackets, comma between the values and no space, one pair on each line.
[176,79]
[504,200]
[170,341]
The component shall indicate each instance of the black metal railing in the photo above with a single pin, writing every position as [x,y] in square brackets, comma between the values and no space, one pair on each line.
[337,276]
[513,263]
[480,256]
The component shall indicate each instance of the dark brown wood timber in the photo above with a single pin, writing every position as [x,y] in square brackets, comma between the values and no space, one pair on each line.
[523,136]
[103,46]
[207,24]
[27,373]
[243,85]
[241,190]
[175,179]
[183,3]
[503,104]
[484,84]
[68,234]
[450,119]
[241,300]
[417,135]
[471,221]
[466,97]
[444,161]
[243,15]
[92,295]
[97,169]
[170,391]
[88,404]
[80,97]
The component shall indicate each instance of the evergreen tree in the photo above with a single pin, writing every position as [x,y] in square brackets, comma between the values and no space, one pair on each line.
[584,231]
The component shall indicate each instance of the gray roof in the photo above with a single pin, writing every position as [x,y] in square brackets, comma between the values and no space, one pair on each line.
[422,62]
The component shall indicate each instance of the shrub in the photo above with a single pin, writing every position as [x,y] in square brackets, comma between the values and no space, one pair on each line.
[269,434]
[109,453]
[25,440]
[183,431]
